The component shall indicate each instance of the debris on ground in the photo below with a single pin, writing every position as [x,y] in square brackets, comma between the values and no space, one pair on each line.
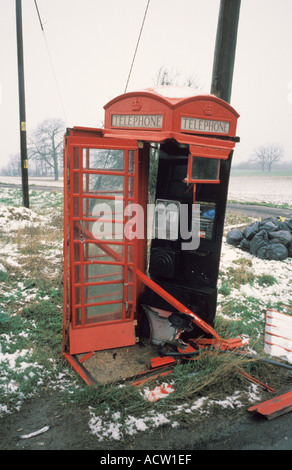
[36,433]
[270,238]
[275,407]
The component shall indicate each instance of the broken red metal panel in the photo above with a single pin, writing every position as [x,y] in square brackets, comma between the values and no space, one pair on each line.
[161,362]
[253,379]
[275,407]
[77,367]
[87,356]
[142,381]
[220,343]
[175,303]
[223,344]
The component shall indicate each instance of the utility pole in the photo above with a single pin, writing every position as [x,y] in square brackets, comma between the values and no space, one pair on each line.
[224,55]
[22,118]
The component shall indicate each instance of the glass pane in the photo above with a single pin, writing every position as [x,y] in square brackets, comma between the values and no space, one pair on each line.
[131,187]
[76,183]
[75,207]
[103,293]
[108,208]
[77,274]
[103,185]
[103,272]
[76,252]
[102,229]
[100,313]
[76,158]
[103,159]
[103,252]
[205,168]
[77,295]
[78,316]
[131,161]
[130,253]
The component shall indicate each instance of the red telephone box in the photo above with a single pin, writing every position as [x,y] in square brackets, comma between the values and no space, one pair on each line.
[119,286]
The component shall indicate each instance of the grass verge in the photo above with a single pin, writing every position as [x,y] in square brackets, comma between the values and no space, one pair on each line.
[31,329]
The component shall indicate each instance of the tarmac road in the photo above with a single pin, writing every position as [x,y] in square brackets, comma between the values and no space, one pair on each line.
[259,211]
[253,433]
[32,187]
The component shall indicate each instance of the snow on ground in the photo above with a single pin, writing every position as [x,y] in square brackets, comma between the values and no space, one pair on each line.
[281,270]
[15,218]
[33,181]
[16,359]
[273,190]
[110,426]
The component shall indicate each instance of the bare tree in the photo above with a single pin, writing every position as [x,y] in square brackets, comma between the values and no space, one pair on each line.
[267,155]
[46,144]
[165,76]
[13,168]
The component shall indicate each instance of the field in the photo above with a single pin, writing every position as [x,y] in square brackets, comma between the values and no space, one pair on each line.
[250,186]
[31,362]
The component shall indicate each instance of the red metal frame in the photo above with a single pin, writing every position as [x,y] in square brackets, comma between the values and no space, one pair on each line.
[102,331]
[130,118]
[190,179]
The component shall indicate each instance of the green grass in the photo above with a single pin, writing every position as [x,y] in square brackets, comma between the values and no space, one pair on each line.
[266,280]
[274,173]
[31,322]
[264,204]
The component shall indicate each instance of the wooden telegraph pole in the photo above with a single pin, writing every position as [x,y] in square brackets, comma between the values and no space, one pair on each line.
[22,118]
[224,55]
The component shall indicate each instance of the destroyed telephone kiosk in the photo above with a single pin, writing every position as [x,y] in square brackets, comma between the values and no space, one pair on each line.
[144,208]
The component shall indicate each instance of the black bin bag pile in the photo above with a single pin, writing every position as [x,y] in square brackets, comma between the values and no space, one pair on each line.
[270,238]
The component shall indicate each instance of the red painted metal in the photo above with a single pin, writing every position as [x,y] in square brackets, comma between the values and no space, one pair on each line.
[204,122]
[176,304]
[256,381]
[66,297]
[274,407]
[220,343]
[77,367]
[107,335]
[148,115]
[114,327]
[87,356]
[142,381]
[157,362]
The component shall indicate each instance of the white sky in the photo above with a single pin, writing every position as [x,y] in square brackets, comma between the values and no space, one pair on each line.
[91,45]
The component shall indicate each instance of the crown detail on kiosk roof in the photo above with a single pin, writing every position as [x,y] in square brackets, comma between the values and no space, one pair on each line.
[169,112]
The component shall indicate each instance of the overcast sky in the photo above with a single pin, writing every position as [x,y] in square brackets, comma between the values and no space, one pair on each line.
[91,45]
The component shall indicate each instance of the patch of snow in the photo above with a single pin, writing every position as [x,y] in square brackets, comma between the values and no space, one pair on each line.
[172,91]
[263,189]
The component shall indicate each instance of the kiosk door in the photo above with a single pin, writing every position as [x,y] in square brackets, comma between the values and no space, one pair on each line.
[102,257]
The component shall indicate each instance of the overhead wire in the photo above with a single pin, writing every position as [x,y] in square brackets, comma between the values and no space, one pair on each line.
[137,45]
[51,62]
